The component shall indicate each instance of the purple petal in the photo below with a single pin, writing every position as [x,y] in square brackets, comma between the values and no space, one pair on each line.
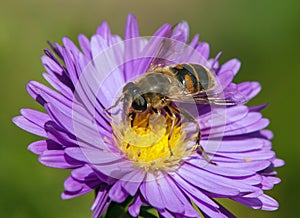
[84,173]
[249,89]
[104,32]
[59,135]
[70,66]
[231,65]
[268,203]
[59,86]
[228,184]
[56,71]
[39,147]
[165,213]
[240,145]
[203,49]
[92,155]
[85,189]
[257,108]
[181,32]
[131,29]
[71,185]
[101,202]
[85,45]
[131,181]
[83,128]
[117,194]
[207,209]
[135,207]
[251,123]
[268,134]
[214,63]
[87,90]
[169,196]
[132,47]
[35,116]
[189,211]
[58,159]
[116,169]
[151,193]
[52,66]
[254,203]
[69,45]
[269,182]
[104,71]
[278,162]
[32,121]
[29,126]
[254,166]
[57,49]
[43,94]
[261,124]
[194,41]
[223,171]
[98,45]
[191,189]
[225,78]
[211,183]
[251,155]
[219,117]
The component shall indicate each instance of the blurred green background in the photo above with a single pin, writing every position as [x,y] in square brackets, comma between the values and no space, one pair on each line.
[264,35]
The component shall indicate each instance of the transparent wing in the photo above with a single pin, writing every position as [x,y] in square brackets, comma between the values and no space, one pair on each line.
[227,98]
[167,52]
[170,50]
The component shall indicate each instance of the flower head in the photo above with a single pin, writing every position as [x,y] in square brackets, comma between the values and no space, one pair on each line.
[120,156]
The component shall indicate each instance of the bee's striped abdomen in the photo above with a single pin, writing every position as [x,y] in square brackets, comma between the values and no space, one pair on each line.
[194,77]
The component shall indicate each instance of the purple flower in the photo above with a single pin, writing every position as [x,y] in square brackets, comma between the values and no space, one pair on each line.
[119,162]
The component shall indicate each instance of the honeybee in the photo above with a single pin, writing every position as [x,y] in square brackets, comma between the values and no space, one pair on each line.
[157,90]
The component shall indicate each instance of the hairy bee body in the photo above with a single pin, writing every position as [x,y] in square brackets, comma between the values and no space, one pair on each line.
[195,78]
[158,89]
[175,82]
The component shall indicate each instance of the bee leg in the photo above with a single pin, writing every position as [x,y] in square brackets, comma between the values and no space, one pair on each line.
[173,117]
[131,118]
[200,148]
[147,126]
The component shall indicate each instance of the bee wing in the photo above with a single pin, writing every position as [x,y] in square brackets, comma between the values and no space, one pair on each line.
[167,52]
[170,50]
[226,101]
[227,98]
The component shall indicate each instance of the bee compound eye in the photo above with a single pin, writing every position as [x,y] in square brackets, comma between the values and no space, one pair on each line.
[139,103]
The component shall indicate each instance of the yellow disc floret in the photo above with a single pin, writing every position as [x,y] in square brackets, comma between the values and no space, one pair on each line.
[147,142]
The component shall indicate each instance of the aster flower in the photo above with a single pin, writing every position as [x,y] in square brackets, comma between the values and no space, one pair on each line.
[121,163]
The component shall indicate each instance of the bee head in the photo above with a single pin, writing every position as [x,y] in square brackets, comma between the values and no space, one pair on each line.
[139,103]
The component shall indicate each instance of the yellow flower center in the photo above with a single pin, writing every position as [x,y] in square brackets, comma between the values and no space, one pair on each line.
[147,142]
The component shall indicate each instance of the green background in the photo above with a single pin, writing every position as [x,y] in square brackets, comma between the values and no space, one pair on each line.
[263,34]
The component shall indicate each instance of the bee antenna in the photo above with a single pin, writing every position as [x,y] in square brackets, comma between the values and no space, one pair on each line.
[115,104]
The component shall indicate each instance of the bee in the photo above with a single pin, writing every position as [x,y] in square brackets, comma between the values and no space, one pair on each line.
[157,90]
